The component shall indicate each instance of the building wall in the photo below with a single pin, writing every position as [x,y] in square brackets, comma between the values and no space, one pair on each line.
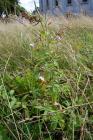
[91,4]
[76,6]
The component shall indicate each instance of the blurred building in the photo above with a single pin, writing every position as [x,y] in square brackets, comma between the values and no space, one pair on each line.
[65,6]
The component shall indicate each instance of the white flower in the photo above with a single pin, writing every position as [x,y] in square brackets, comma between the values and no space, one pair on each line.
[32,45]
[56,104]
[41,78]
[58,38]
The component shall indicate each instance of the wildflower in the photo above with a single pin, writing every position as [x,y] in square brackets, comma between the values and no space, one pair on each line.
[58,38]
[3,15]
[32,45]
[56,104]
[41,78]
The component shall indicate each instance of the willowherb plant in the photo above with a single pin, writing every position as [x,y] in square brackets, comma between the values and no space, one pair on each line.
[46,80]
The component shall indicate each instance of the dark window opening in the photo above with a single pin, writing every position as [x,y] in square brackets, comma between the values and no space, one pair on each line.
[47,3]
[84,1]
[69,1]
[56,2]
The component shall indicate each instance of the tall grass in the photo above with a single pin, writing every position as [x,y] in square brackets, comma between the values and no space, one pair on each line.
[46,80]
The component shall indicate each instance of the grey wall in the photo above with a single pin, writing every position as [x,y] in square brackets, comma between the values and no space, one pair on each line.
[91,4]
[76,6]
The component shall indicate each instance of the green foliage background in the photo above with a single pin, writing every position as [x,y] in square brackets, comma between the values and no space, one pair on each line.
[8,6]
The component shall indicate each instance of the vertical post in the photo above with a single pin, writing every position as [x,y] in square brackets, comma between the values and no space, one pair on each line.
[51,6]
[91,4]
[64,6]
[60,4]
[41,5]
[44,6]
[76,6]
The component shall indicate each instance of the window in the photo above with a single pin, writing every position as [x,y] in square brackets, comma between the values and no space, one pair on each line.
[69,2]
[85,1]
[56,2]
[47,3]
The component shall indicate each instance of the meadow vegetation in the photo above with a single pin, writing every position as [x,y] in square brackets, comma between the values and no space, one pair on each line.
[46,80]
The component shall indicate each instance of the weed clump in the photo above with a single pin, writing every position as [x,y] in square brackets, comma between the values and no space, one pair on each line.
[46,82]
